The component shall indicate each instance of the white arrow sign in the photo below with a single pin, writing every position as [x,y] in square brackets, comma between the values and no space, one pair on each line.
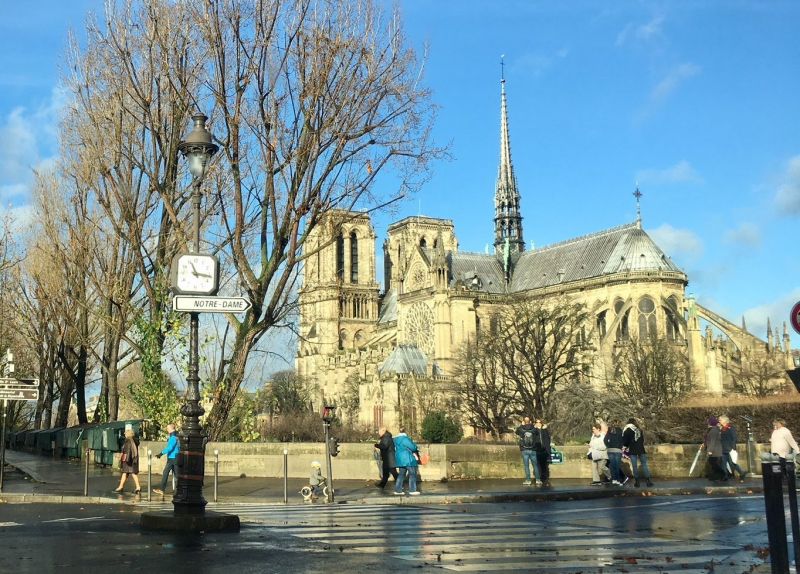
[200,304]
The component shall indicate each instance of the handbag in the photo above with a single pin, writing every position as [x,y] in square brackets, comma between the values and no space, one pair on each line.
[734,457]
[123,458]
[424,458]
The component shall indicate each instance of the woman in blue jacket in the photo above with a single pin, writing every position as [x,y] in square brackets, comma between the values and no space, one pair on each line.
[406,456]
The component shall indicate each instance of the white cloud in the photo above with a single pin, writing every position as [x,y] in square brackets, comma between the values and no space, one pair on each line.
[681,172]
[644,32]
[28,136]
[746,235]
[787,198]
[676,242]
[777,311]
[672,81]
[669,84]
[536,64]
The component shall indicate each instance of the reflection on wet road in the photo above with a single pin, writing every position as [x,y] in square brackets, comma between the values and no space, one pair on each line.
[678,534]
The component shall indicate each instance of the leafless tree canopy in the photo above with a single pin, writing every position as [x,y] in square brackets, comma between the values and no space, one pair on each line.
[315,105]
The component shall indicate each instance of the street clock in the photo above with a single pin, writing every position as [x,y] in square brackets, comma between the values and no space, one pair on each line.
[195,274]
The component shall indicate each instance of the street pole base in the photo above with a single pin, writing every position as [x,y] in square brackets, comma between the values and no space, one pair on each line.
[208,521]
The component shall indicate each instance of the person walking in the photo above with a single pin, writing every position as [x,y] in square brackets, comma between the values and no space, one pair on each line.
[171,450]
[633,443]
[782,443]
[713,445]
[528,436]
[407,458]
[129,462]
[385,445]
[599,456]
[613,440]
[728,439]
[543,453]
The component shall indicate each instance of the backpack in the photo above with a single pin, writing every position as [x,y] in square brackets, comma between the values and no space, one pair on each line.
[528,441]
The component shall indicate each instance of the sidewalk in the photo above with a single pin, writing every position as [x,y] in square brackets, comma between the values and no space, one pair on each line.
[56,480]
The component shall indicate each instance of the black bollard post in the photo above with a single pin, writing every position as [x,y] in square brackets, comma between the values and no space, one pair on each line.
[791,486]
[216,473]
[86,476]
[285,476]
[772,475]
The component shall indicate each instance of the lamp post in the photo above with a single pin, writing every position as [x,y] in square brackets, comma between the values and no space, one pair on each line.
[197,148]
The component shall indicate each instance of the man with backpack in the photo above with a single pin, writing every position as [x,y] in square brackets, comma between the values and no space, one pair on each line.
[529,436]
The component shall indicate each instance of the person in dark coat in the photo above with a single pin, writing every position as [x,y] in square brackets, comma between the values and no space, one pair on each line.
[543,452]
[385,445]
[129,462]
[713,445]
[613,440]
[728,439]
[528,435]
[633,444]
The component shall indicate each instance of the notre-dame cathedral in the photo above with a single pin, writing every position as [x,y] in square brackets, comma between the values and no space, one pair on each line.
[435,297]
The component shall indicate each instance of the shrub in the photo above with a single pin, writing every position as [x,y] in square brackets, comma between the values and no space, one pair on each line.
[437,427]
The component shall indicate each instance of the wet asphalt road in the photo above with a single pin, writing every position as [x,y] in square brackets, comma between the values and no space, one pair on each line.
[718,534]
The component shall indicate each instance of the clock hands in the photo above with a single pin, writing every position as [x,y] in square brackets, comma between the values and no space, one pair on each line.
[196,273]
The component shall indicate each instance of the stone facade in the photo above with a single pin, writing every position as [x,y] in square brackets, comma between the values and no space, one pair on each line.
[436,297]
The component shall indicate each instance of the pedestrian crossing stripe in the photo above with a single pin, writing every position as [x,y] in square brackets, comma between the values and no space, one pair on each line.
[465,542]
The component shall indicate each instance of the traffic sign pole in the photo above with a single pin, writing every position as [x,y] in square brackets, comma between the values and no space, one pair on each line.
[3,444]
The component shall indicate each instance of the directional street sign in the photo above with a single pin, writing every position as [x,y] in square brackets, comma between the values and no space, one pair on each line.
[794,316]
[200,304]
[19,389]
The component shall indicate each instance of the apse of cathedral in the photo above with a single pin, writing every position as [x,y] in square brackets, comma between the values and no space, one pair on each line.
[435,297]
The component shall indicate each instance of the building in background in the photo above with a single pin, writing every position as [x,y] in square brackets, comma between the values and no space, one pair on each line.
[436,298]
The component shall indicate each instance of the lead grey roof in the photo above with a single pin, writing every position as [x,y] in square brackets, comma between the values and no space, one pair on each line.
[617,250]
[405,359]
[464,267]
[388,312]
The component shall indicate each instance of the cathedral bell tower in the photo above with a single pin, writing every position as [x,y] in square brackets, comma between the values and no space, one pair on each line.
[507,218]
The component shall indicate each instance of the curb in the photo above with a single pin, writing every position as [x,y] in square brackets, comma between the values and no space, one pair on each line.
[481,497]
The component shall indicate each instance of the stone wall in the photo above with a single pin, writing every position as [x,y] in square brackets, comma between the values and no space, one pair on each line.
[356,460]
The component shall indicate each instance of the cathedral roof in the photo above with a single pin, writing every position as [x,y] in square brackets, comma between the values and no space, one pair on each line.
[621,249]
[477,272]
[388,311]
[405,359]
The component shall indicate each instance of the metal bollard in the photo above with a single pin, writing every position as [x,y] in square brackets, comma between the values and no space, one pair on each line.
[86,476]
[285,476]
[216,472]
[772,475]
[791,486]
[149,475]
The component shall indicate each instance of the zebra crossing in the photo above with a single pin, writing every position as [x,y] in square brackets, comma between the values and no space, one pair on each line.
[449,539]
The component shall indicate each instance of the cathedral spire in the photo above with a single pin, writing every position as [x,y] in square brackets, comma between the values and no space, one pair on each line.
[507,219]
[638,195]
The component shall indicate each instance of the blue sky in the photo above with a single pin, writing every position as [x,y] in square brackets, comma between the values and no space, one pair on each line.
[695,101]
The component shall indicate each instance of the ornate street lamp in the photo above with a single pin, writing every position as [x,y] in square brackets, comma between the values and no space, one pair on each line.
[197,148]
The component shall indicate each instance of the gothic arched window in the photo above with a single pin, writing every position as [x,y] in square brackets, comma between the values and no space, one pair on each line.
[647,319]
[340,257]
[623,333]
[353,257]
[422,242]
[601,325]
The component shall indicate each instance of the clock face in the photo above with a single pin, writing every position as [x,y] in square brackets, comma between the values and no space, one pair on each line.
[196,274]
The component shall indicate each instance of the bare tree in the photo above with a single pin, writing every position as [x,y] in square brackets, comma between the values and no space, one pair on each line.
[760,374]
[488,397]
[541,349]
[650,375]
[312,102]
